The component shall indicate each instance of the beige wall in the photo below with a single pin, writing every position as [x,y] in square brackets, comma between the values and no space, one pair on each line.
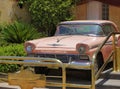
[91,10]
[94,10]
[114,15]
[80,12]
[9,11]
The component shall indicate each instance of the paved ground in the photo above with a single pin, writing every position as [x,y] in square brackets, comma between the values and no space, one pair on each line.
[108,80]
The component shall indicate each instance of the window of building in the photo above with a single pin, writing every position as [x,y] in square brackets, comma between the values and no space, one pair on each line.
[105,12]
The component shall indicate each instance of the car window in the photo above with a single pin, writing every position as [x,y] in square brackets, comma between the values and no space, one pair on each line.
[80,29]
[108,28]
[65,30]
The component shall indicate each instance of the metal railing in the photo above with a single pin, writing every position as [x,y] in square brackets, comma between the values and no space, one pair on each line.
[48,62]
[113,54]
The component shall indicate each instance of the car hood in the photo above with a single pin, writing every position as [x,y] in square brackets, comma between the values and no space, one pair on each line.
[69,41]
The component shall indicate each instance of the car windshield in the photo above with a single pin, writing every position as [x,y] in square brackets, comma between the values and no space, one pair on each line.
[89,30]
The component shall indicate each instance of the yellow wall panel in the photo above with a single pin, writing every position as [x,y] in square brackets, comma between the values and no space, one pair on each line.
[9,11]
[80,12]
[114,15]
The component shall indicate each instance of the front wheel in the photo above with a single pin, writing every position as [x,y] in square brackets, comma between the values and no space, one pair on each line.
[98,64]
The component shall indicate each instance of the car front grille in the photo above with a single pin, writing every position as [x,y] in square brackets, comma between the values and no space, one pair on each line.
[62,57]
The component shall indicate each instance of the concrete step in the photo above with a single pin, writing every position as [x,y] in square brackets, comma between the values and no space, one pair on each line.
[109,80]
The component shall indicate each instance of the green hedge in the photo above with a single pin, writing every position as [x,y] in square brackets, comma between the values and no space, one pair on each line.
[11,50]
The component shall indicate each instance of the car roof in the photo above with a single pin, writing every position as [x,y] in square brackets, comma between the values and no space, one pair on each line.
[87,22]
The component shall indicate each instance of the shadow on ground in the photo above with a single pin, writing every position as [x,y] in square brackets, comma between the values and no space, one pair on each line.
[6,88]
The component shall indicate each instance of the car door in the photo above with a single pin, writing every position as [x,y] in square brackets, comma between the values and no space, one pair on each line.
[108,47]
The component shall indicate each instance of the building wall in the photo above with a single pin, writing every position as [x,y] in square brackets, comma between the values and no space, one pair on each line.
[87,11]
[10,11]
[94,10]
[80,12]
[114,15]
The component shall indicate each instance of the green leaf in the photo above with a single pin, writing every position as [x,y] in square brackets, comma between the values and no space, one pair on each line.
[19,32]
[46,14]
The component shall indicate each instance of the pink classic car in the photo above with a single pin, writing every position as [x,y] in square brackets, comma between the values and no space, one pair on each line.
[74,42]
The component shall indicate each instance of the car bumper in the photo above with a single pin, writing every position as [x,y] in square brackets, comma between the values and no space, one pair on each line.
[81,64]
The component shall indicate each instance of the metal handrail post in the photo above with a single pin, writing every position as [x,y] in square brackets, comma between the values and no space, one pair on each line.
[93,77]
[63,76]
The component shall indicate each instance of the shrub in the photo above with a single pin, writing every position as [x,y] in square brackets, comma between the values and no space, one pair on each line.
[11,50]
[46,14]
[5,68]
[19,32]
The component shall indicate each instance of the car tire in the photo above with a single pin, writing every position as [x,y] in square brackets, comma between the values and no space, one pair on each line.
[99,61]
[98,64]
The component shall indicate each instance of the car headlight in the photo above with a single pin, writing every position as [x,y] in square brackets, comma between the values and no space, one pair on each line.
[82,48]
[29,48]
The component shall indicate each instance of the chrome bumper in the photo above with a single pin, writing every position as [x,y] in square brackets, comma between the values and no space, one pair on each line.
[81,64]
